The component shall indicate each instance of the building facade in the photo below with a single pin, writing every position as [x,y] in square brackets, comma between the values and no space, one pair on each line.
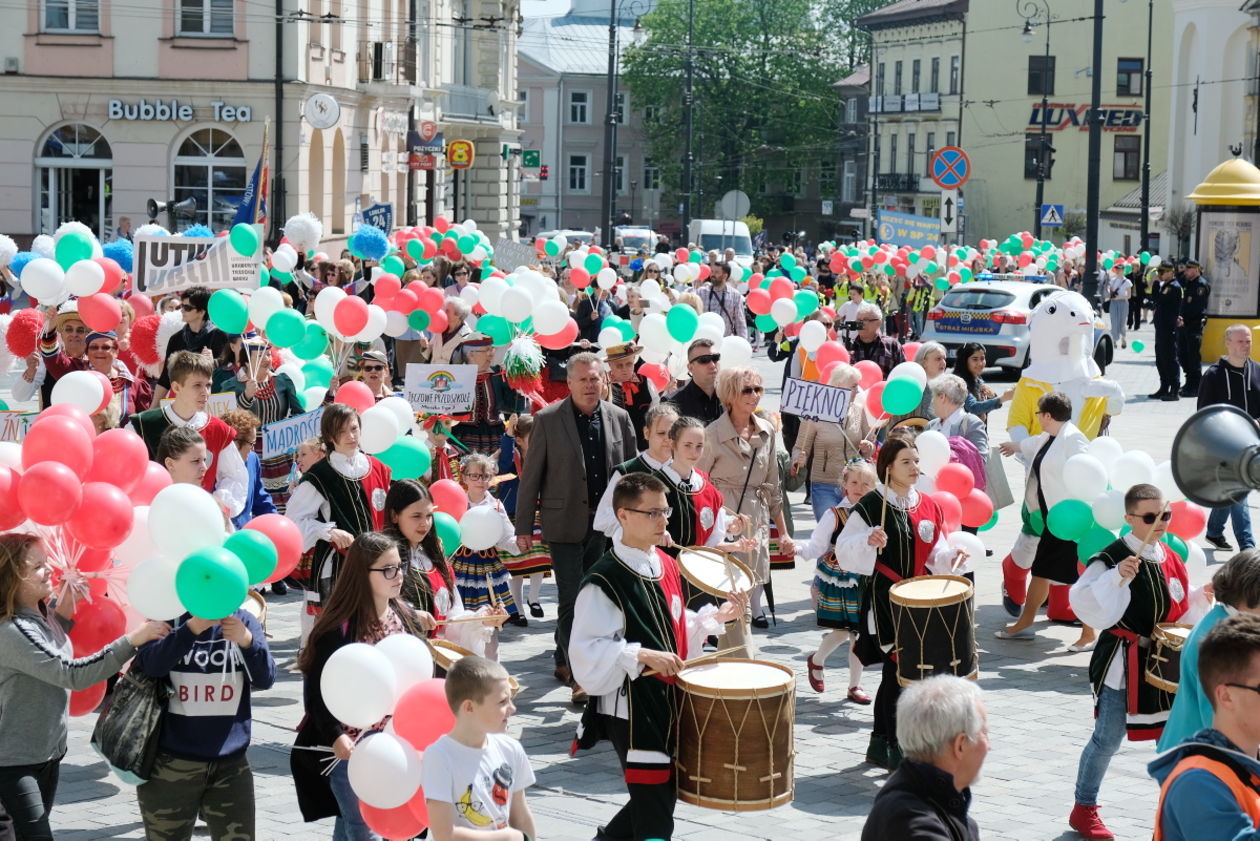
[851,211]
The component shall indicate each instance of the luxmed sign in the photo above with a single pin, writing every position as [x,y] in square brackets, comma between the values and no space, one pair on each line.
[160,111]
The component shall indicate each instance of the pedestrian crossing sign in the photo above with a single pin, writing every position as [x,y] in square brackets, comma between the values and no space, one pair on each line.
[1052,215]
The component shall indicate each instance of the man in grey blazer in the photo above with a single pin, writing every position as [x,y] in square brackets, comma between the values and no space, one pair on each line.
[573,449]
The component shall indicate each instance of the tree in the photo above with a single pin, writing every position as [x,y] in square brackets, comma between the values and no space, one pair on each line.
[1179,222]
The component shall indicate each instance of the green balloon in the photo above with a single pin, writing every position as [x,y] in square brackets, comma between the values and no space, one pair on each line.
[551,248]
[211,583]
[314,342]
[283,277]
[593,263]
[765,324]
[1070,519]
[1125,529]
[806,302]
[993,521]
[245,240]
[902,396]
[229,311]
[415,249]
[418,320]
[73,247]
[682,322]
[695,257]
[797,273]
[466,243]
[498,328]
[1138,345]
[407,458]
[264,276]
[318,372]
[1145,257]
[256,551]
[285,328]
[1094,541]
[941,283]
[394,265]
[448,532]
[1176,544]
[787,261]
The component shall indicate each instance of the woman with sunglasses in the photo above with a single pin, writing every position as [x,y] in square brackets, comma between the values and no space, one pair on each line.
[461,276]
[131,394]
[374,373]
[365,606]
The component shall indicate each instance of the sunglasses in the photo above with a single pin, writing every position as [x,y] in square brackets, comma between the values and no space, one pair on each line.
[460,274]
[1150,519]
[372,368]
[187,307]
[752,389]
[390,572]
[99,348]
[75,331]
[1255,689]
[708,358]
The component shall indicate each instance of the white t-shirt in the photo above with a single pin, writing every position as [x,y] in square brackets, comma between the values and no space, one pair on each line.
[478,782]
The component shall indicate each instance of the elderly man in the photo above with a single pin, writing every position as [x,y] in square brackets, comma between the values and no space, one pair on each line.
[884,351]
[447,347]
[698,398]
[718,297]
[943,731]
[1233,379]
[627,390]
[575,444]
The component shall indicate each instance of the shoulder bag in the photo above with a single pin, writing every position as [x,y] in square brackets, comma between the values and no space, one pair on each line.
[127,732]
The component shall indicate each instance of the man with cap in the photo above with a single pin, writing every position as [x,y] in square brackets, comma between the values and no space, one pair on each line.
[1195,292]
[627,389]
[1166,296]
[66,324]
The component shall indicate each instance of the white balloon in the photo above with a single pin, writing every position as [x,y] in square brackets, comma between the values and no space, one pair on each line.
[284,259]
[969,543]
[492,289]
[1108,508]
[606,279]
[313,397]
[650,289]
[378,430]
[410,657]
[11,455]
[1163,479]
[384,771]
[654,333]
[516,304]
[43,279]
[184,518]
[551,316]
[84,278]
[561,241]
[1083,476]
[735,351]
[151,589]
[608,336]
[933,450]
[576,257]
[813,335]
[1135,467]
[325,302]
[713,334]
[926,484]
[712,319]
[139,544]
[469,225]
[652,356]
[358,685]
[264,303]
[401,410]
[79,388]
[471,294]
[1195,558]
[681,273]
[395,324]
[480,528]
[294,372]
[783,311]
[909,371]
[1106,449]
[677,364]
[377,319]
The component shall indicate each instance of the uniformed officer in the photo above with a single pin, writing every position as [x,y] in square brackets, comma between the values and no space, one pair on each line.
[1167,301]
[1195,291]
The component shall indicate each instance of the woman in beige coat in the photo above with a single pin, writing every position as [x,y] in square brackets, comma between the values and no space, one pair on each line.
[832,445]
[739,457]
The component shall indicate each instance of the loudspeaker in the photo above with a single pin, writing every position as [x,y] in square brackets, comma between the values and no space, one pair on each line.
[185,208]
[1216,456]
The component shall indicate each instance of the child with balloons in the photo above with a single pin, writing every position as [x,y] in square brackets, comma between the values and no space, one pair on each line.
[485,531]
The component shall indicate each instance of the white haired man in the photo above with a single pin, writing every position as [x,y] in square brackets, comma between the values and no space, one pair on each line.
[943,732]
[884,351]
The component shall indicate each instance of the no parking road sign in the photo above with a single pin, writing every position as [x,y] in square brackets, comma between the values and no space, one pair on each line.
[950,168]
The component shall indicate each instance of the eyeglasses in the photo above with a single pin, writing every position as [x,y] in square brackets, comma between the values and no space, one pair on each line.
[99,348]
[869,320]
[75,331]
[187,307]
[751,389]
[651,271]
[390,572]
[655,513]
[372,368]
[478,477]
[1149,519]
[1255,689]
[708,358]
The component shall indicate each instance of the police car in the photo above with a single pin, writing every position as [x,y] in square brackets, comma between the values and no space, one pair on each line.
[994,313]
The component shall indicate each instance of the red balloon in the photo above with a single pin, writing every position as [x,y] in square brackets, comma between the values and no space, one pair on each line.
[977,508]
[910,350]
[397,824]
[59,439]
[430,249]
[705,271]
[356,395]
[438,322]
[96,624]
[11,514]
[682,255]
[430,299]
[95,560]
[419,807]
[85,701]
[957,480]
[871,373]
[386,286]
[556,341]
[781,287]
[449,497]
[50,493]
[422,715]
[657,373]
[104,519]
[824,371]
[442,224]
[759,302]
[120,458]
[951,510]
[100,312]
[1188,520]
[404,302]
[107,393]
[875,400]
[793,330]
[69,410]
[114,275]
[350,315]
[141,304]
[830,353]
[580,277]
[154,479]
[285,535]
[928,252]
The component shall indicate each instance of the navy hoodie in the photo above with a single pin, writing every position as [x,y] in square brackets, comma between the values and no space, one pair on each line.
[209,713]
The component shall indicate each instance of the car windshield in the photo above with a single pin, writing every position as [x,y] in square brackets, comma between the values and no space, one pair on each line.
[633,242]
[976,299]
[721,242]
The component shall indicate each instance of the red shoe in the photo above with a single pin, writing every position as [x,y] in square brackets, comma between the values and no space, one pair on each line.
[858,695]
[1085,820]
[815,674]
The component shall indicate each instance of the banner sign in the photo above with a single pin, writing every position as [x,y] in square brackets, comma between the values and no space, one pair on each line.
[284,436]
[440,389]
[510,256]
[165,264]
[14,425]
[815,401]
[907,228]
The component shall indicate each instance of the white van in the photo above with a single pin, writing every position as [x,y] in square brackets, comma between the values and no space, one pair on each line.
[721,234]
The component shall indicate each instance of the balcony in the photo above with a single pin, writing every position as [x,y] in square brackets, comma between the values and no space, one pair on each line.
[897,182]
[462,102]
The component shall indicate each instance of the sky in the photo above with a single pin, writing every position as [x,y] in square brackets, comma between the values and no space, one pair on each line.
[544,8]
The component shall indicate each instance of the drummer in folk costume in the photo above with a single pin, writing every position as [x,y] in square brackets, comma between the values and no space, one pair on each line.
[892,534]
[627,389]
[630,617]
[338,498]
[658,421]
[492,399]
[1128,588]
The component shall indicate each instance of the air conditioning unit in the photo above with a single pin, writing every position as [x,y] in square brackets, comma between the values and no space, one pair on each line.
[382,61]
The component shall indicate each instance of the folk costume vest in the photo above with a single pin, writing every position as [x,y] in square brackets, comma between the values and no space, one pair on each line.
[695,513]
[355,505]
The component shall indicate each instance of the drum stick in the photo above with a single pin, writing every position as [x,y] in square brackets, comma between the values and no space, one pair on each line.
[883,511]
[481,618]
[703,658]
[494,600]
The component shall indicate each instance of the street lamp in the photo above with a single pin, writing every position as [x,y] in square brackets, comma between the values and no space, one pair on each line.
[1029,9]
[609,199]
[634,209]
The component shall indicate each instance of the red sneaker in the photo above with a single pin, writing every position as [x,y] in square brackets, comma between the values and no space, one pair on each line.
[1085,820]
[815,674]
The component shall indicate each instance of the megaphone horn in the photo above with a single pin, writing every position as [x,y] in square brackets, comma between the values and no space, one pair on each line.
[154,207]
[1216,456]
[188,207]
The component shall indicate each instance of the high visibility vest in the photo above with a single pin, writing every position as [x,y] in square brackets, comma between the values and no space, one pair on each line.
[1247,795]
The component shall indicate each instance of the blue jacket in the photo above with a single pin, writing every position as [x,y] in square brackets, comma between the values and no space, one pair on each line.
[506,491]
[259,501]
[1191,711]
[1198,806]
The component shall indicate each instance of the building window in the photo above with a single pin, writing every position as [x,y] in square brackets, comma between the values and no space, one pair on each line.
[955,73]
[931,150]
[619,175]
[651,114]
[792,182]
[1126,164]
[1040,75]
[1129,77]
[951,138]
[916,70]
[619,107]
[1033,156]
[934,78]
[910,152]
[205,17]
[848,182]
[651,175]
[826,179]
[579,167]
[579,107]
[892,153]
[523,97]
[897,79]
[851,110]
[879,79]
[211,168]
[72,16]
[75,168]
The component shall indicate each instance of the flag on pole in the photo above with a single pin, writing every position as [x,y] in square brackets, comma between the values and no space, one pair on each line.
[253,206]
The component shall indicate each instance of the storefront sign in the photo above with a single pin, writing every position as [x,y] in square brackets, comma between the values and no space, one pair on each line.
[440,389]
[815,401]
[460,154]
[159,111]
[1060,116]
[283,437]
[165,264]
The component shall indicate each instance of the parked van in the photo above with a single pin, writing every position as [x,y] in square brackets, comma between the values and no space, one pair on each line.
[721,234]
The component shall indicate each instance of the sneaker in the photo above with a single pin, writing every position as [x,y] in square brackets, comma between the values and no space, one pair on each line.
[1085,820]
[1219,543]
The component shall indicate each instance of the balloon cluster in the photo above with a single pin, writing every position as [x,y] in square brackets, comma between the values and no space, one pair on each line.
[455,241]
[76,266]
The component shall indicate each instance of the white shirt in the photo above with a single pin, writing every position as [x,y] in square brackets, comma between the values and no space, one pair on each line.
[605,517]
[307,505]
[507,539]
[721,520]
[231,482]
[820,541]
[859,556]
[848,312]
[478,782]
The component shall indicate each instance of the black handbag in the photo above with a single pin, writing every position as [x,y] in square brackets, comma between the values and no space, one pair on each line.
[127,732]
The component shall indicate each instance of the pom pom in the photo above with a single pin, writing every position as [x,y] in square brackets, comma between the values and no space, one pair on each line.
[304,232]
[369,243]
[20,260]
[67,227]
[43,246]
[171,323]
[152,229]
[8,250]
[6,357]
[522,368]
[197,231]
[144,339]
[24,331]
[122,252]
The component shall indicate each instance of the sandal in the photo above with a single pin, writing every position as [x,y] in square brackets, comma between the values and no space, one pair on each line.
[858,695]
[815,674]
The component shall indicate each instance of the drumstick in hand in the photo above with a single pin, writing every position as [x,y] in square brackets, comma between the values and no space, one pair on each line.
[694,660]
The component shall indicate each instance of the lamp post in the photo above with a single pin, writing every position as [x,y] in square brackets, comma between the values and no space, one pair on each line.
[689,102]
[1095,163]
[1146,132]
[609,198]
[634,209]
[1029,9]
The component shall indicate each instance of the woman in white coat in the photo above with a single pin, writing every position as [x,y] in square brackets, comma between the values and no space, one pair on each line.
[1051,559]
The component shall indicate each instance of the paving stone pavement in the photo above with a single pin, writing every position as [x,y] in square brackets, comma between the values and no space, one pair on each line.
[1036,692]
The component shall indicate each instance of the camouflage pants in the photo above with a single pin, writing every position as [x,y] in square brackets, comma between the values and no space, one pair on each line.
[178,789]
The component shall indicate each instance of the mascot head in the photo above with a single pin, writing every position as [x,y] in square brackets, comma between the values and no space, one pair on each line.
[1061,339]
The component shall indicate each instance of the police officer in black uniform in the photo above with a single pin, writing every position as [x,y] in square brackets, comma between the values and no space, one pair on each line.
[1166,296]
[1195,291]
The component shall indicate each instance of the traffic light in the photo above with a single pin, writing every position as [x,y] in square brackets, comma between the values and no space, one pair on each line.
[543,172]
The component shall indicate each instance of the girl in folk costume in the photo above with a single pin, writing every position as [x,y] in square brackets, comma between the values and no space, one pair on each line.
[479,573]
[660,418]
[444,454]
[268,395]
[838,593]
[535,563]
[1127,589]
[698,516]
[492,398]
[892,533]
[338,499]
[308,452]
